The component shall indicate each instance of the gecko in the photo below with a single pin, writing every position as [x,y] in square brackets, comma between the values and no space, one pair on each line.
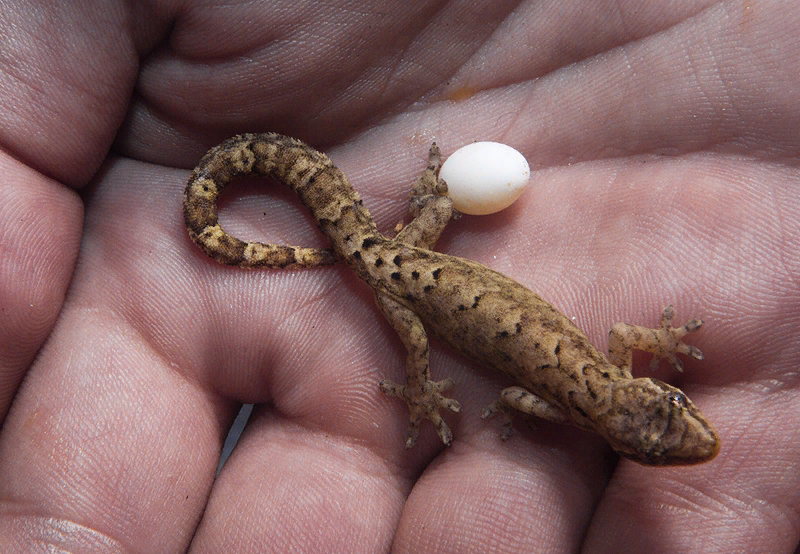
[488,317]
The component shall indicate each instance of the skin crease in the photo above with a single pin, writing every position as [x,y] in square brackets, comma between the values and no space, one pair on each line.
[663,145]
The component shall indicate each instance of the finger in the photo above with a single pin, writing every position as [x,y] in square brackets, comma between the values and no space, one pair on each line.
[107,442]
[40,225]
[69,73]
[291,487]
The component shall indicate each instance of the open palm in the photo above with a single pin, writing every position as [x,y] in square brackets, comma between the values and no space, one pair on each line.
[664,149]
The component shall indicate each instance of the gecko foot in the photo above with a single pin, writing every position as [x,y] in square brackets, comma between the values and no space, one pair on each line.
[664,343]
[424,402]
[671,341]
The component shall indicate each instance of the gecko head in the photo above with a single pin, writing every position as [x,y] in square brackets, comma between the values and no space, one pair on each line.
[655,424]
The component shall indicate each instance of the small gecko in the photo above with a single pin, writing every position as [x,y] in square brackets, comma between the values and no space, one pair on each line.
[483,314]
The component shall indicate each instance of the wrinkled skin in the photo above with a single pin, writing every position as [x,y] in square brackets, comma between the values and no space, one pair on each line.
[664,146]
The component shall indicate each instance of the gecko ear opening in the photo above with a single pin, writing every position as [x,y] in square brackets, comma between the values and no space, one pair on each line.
[655,424]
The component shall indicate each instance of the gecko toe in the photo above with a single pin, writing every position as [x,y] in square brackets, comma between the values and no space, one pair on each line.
[667,316]
[675,363]
[391,388]
[690,350]
[443,385]
[500,408]
[438,387]
[441,428]
[693,325]
[491,410]
[450,404]
[411,434]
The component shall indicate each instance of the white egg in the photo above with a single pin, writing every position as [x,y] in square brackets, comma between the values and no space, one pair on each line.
[485,177]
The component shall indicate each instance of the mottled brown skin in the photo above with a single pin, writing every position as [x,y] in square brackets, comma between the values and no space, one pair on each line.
[483,314]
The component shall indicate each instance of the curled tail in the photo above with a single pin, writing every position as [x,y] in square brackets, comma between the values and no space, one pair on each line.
[321,186]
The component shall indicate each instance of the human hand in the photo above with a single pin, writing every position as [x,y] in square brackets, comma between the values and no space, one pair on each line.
[663,149]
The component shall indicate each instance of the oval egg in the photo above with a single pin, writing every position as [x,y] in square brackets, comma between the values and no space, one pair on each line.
[485,177]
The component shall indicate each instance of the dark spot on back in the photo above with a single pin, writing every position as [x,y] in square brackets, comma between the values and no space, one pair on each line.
[415,275]
[437,272]
[475,304]
[367,242]
[397,260]
[378,262]
[322,223]
[396,276]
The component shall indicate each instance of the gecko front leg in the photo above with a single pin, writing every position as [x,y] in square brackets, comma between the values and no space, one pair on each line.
[517,399]
[423,395]
[663,342]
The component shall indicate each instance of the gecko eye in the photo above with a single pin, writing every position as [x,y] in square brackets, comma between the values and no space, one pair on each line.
[677,399]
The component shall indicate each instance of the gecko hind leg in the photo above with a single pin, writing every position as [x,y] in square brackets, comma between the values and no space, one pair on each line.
[423,395]
[517,399]
[428,184]
[663,343]
[430,206]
